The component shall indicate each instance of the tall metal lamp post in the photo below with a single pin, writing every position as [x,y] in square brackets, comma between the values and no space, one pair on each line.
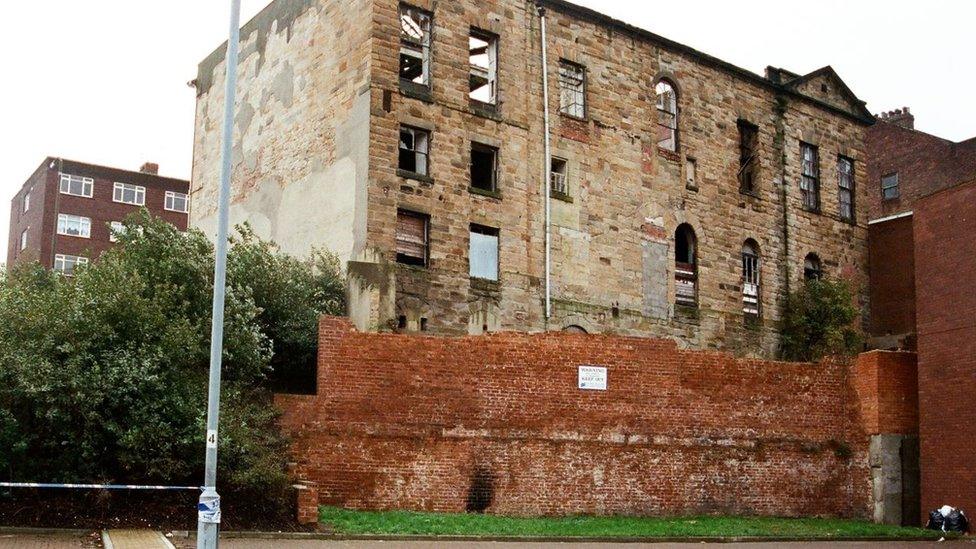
[208,509]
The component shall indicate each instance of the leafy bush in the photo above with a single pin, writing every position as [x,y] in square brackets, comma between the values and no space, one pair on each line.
[819,321]
[103,376]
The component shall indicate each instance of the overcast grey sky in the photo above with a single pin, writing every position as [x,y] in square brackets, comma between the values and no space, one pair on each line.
[104,81]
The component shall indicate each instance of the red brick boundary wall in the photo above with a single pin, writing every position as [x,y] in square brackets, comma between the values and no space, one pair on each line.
[497,422]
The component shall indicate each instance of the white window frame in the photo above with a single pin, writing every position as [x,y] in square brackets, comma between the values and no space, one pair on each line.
[62,261]
[81,224]
[487,70]
[666,102]
[170,200]
[119,190]
[115,228]
[23,239]
[87,185]
[572,89]
[27,196]
[420,148]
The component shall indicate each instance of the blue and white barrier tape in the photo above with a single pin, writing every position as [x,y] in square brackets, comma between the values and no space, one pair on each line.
[96,486]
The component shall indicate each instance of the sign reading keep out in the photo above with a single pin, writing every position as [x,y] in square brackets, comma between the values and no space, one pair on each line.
[593,378]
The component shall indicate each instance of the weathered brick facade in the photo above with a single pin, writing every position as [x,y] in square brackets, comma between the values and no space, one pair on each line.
[316,165]
[945,223]
[498,423]
[40,220]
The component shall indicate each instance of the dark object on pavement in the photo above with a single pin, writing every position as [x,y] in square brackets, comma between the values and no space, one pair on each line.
[948,519]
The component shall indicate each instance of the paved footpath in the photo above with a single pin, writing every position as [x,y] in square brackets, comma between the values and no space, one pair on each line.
[50,541]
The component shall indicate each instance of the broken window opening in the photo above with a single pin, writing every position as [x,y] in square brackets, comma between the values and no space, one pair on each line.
[415,45]
[889,186]
[667,116]
[483,71]
[484,167]
[748,156]
[414,150]
[557,176]
[810,178]
[812,269]
[691,173]
[750,278]
[572,89]
[845,187]
[685,266]
[412,238]
[483,252]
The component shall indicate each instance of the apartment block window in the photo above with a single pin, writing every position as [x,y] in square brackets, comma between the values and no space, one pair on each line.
[66,264]
[889,186]
[483,71]
[414,150]
[557,176]
[27,196]
[129,194]
[177,202]
[484,167]
[691,173]
[748,156]
[76,185]
[23,239]
[483,252]
[810,178]
[685,266]
[845,187]
[812,269]
[572,89]
[412,238]
[667,116]
[750,278]
[117,229]
[74,225]
[415,45]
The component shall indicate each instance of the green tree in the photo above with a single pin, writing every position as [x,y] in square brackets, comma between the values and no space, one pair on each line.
[819,321]
[103,376]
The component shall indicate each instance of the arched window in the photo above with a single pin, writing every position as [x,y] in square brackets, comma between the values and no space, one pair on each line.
[575,329]
[685,266]
[812,269]
[750,278]
[667,115]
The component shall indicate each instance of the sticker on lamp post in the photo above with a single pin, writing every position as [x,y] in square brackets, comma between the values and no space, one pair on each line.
[593,378]
[209,511]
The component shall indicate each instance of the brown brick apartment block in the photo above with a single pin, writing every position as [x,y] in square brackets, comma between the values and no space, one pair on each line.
[62,215]
[688,194]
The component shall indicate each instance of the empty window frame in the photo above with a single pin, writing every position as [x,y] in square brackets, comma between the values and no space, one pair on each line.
[889,186]
[810,177]
[557,176]
[685,266]
[177,202]
[23,239]
[129,194]
[845,188]
[66,264]
[484,167]
[483,252]
[76,185]
[414,150]
[691,173]
[27,197]
[572,89]
[748,156]
[667,115]
[483,66]
[415,45]
[74,225]
[412,238]
[750,278]
[812,269]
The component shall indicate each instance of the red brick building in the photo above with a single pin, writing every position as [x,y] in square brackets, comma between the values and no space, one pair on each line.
[62,215]
[945,288]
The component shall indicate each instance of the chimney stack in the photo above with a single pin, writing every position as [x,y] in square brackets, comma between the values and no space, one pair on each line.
[899,117]
[150,168]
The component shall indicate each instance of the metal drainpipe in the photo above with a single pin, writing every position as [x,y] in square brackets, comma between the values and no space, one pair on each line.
[546,171]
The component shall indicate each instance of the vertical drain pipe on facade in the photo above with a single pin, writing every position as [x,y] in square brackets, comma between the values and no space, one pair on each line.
[547,167]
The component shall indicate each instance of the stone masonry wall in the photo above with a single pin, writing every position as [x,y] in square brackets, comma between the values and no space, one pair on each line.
[613,243]
[497,423]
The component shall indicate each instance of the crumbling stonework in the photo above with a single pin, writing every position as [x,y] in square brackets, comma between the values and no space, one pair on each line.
[322,104]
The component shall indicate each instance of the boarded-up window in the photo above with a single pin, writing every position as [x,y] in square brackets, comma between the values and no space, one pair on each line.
[748,159]
[411,238]
[483,252]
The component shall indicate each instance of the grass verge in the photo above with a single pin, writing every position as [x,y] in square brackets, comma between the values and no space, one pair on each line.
[407,523]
